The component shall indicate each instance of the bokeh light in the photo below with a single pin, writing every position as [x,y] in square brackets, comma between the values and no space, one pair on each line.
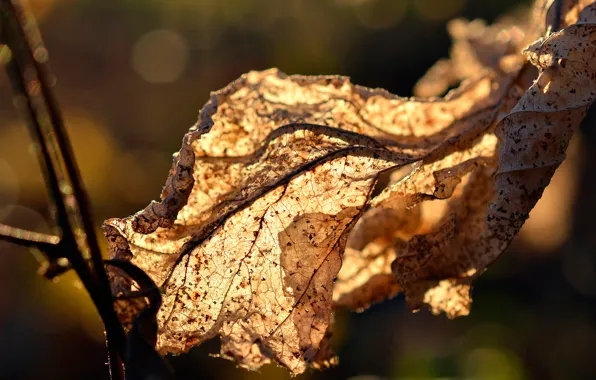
[160,56]
[489,363]
[92,143]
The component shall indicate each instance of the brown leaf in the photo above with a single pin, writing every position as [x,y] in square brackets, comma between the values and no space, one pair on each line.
[268,203]
[563,13]
[366,275]
[257,243]
[275,190]
[532,143]
[477,48]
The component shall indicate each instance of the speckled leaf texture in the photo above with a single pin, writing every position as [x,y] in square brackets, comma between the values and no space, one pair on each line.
[293,196]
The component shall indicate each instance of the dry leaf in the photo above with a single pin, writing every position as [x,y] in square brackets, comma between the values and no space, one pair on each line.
[532,143]
[366,275]
[271,216]
[254,250]
[477,48]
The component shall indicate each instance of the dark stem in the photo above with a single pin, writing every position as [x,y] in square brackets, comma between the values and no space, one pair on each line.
[31,78]
[27,238]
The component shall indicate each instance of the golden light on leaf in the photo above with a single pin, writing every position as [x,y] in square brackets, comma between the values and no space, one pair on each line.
[270,218]
[476,48]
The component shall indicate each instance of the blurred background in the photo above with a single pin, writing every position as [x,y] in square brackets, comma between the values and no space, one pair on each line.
[132,76]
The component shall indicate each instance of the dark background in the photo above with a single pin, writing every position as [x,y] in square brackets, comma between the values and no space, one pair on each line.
[133,75]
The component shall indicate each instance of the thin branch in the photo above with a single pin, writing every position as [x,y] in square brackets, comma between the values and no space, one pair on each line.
[38,57]
[31,78]
[27,238]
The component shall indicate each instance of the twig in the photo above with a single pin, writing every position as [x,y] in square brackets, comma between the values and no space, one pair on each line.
[30,78]
[27,238]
